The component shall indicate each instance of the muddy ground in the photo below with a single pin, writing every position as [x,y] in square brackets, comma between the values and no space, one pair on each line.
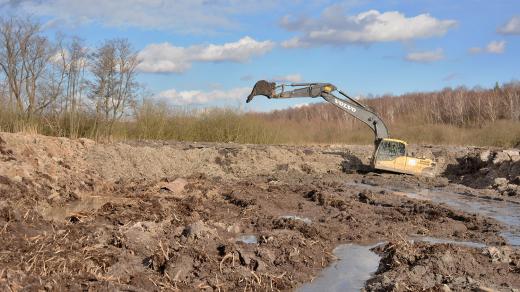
[147,216]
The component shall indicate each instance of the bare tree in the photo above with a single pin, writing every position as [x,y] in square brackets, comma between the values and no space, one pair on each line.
[77,62]
[113,88]
[14,37]
[74,60]
[53,78]
[25,56]
[459,107]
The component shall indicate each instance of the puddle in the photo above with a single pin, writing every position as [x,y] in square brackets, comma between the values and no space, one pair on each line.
[84,204]
[512,237]
[247,239]
[435,240]
[355,265]
[294,217]
[502,211]
[505,212]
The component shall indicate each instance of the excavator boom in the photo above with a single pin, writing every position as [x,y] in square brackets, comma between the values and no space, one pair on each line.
[389,154]
[325,91]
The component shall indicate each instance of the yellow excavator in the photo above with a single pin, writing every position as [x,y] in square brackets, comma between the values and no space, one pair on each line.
[389,154]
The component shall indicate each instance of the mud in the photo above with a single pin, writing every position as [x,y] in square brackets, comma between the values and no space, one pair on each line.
[148,216]
[445,267]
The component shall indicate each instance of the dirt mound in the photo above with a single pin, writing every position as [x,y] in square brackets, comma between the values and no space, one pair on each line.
[76,215]
[493,169]
[445,267]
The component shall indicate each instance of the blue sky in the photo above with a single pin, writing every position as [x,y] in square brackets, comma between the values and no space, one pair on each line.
[210,53]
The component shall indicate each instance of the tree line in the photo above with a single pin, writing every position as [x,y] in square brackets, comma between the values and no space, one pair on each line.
[460,107]
[60,86]
[62,77]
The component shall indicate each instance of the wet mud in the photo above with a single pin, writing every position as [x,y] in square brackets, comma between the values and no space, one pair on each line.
[150,216]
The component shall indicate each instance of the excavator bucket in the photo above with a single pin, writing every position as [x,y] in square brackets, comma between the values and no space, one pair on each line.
[264,88]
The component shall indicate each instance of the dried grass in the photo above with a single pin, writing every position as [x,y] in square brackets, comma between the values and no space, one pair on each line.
[318,124]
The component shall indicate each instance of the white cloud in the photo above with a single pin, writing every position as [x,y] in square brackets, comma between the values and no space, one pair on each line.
[202,97]
[512,26]
[295,42]
[425,56]
[494,47]
[335,28]
[292,78]
[300,105]
[167,58]
[183,16]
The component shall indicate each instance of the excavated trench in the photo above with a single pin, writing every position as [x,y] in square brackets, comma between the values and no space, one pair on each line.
[149,216]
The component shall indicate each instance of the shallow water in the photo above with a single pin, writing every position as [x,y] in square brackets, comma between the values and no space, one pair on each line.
[505,212]
[294,217]
[84,204]
[247,239]
[355,265]
[435,240]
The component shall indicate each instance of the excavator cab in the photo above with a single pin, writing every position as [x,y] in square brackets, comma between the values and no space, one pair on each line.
[391,155]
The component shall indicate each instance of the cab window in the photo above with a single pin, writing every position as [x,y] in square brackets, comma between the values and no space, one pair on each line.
[390,150]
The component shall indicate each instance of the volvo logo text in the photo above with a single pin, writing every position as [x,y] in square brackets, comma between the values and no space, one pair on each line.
[345,105]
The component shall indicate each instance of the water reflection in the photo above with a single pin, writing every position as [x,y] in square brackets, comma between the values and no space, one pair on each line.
[294,217]
[435,240]
[355,266]
[505,212]
[247,239]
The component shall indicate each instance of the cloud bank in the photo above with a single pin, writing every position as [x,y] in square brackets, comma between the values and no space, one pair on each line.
[167,58]
[183,16]
[333,27]
[203,97]
[425,56]
[512,26]
[291,78]
[494,47]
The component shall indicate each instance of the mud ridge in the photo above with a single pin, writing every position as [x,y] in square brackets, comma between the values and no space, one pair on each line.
[150,216]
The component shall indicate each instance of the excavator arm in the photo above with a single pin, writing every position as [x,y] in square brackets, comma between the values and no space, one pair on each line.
[326,91]
[389,154]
